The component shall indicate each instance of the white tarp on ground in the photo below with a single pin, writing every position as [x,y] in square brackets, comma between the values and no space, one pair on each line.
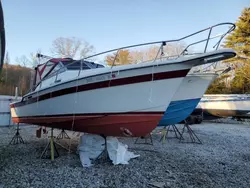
[118,152]
[91,146]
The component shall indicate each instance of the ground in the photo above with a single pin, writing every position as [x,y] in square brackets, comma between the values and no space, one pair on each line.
[222,160]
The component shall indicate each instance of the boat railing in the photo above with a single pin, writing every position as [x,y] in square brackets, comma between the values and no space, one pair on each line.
[185,52]
[160,54]
[162,44]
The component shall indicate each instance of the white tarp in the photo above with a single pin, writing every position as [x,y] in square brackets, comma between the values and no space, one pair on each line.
[91,146]
[118,152]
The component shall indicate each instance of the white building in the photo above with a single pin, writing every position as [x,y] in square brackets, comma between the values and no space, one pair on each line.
[5,116]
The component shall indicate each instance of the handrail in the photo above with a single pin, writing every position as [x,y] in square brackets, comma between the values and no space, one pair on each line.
[166,41]
[163,43]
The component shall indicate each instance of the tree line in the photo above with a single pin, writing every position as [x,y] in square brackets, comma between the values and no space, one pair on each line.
[238,81]
[13,76]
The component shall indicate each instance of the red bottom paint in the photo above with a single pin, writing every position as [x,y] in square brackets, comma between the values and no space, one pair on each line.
[134,125]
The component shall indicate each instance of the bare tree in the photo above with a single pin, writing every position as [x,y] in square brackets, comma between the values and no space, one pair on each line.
[71,47]
[145,54]
[150,53]
[136,56]
[23,61]
[30,61]
[86,50]
[173,49]
[7,59]
[22,85]
[34,59]
[7,62]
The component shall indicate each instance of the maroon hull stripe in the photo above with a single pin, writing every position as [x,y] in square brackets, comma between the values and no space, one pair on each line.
[97,114]
[104,84]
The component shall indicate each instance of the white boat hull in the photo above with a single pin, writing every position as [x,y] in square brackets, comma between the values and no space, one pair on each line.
[126,100]
[187,97]
[135,107]
[194,86]
[225,105]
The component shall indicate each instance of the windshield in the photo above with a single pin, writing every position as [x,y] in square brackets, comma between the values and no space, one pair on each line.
[77,65]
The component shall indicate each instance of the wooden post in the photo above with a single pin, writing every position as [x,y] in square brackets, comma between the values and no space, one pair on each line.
[52,145]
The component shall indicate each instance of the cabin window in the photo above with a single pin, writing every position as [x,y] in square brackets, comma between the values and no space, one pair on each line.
[75,65]
[56,68]
[85,66]
[93,65]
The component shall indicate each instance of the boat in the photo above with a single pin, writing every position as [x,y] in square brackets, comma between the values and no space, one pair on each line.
[2,37]
[187,97]
[225,105]
[126,100]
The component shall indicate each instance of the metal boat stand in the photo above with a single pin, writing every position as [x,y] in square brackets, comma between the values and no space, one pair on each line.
[63,135]
[194,138]
[16,139]
[104,154]
[51,148]
[145,138]
[166,130]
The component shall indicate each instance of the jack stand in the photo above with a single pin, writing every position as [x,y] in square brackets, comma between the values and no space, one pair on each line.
[17,137]
[104,153]
[194,138]
[166,130]
[63,135]
[50,146]
[149,136]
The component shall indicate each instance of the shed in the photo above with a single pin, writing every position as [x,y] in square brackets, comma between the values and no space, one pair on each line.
[5,116]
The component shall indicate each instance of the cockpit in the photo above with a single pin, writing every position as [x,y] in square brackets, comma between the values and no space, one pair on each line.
[57,66]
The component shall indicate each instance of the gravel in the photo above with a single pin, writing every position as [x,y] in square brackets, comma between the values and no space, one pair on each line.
[223,160]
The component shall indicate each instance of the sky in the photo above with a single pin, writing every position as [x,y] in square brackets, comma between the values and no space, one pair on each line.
[33,24]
